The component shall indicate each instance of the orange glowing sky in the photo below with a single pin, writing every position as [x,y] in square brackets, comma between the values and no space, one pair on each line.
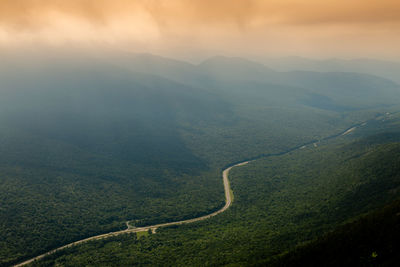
[200,28]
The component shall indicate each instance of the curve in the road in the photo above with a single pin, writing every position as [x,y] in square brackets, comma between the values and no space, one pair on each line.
[228,202]
[228,198]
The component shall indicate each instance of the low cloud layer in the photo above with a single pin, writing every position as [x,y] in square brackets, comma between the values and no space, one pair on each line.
[274,27]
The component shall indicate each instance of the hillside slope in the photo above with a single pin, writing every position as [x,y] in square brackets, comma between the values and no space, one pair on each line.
[89,143]
[279,202]
[369,241]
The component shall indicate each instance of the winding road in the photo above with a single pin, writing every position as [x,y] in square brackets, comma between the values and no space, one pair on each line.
[130,229]
[228,197]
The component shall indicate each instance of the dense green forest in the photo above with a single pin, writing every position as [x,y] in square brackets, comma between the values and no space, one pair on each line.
[369,241]
[88,144]
[280,203]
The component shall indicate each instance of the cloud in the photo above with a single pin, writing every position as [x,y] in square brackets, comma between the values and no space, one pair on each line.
[209,24]
[28,13]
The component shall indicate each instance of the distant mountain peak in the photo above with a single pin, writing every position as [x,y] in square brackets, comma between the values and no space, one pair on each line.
[234,67]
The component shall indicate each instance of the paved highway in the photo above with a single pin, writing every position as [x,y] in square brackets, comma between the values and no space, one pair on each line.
[228,202]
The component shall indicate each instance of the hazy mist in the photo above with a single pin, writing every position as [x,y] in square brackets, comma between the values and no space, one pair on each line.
[195,30]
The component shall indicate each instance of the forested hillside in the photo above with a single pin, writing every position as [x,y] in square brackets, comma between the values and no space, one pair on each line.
[280,202]
[88,143]
[369,241]
[84,150]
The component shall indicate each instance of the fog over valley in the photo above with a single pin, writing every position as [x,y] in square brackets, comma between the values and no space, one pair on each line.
[180,133]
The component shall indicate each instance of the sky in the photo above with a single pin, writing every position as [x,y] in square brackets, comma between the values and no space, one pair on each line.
[194,29]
